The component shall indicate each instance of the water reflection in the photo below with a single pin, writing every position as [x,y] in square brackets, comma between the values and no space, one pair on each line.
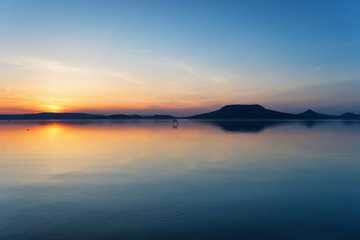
[257,126]
[146,180]
[236,126]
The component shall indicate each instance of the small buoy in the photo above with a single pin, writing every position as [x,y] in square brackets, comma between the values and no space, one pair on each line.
[175,123]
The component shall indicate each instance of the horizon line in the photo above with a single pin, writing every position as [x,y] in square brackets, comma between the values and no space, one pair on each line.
[154,114]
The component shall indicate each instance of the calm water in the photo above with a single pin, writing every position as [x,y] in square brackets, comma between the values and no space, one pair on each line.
[201,180]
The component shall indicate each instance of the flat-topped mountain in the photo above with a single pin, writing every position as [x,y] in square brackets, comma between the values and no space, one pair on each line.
[245,112]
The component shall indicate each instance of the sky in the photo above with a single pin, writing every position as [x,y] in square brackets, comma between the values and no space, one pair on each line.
[178,57]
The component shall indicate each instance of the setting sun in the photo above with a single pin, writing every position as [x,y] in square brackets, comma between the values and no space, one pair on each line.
[53,108]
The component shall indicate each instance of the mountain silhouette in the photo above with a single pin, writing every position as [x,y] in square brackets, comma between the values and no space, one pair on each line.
[311,114]
[356,116]
[60,116]
[238,111]
[47,116]
[123,116]
[348,115]
[253,111]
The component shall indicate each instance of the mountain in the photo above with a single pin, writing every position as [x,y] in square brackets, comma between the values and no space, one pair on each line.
[48,116]
[356,116]
[348,115]
[123,116]
[162,117]
[253,111]
[60,116]
[311,114]
[117,116]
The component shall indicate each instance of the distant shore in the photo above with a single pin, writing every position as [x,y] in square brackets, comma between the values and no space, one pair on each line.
[234,112]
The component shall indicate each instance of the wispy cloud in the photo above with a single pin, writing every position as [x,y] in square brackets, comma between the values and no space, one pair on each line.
[35,63]
[311,72]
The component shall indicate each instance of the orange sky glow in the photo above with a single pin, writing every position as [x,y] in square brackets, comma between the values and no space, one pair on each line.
[58,56]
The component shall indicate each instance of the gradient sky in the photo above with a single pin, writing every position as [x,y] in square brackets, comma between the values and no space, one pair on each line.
[178,57]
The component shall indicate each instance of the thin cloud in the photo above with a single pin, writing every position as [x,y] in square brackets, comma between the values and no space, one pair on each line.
[311,72]
[35,63]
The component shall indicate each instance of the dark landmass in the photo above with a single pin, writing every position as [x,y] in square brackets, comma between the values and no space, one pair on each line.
[233,112]
[355,117]
[61,116]
[47,116]
[124,116]
[259,112]
[245,112]
[311,114]
[348,115]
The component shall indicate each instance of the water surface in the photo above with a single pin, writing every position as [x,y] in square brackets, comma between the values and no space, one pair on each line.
[201,180]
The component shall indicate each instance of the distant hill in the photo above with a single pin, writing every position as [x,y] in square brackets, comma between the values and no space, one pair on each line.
[239,111]
[311,114]
[254,111]
[48,116]
[60,116]
[348,115]
[117,116]
[356,116]
[124,116]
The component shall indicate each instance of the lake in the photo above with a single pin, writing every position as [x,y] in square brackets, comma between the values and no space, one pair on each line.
[151,179]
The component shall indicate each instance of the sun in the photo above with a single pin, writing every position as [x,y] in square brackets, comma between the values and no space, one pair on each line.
[54,108]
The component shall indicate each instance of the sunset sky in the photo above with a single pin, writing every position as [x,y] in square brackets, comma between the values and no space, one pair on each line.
[178,57]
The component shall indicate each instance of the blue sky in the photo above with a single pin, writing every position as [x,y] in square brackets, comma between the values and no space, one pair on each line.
[179,57]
